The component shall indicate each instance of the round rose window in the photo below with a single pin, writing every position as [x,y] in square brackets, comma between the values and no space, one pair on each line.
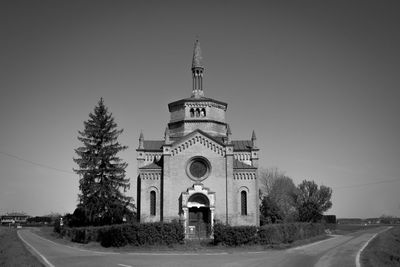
[198,168]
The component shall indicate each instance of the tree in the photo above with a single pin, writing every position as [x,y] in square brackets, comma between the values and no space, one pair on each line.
[280,189]
[269,211]
[102,173]
[312,201]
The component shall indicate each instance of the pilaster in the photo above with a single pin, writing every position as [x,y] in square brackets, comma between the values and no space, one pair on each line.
[228,182]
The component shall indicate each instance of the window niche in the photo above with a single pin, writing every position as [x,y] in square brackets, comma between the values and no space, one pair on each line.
[153,203]
[243,203]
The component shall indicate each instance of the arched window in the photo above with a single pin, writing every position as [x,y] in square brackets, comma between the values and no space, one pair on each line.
[197,112]
[203,112]
[243,202]
[153,203]
[191,112]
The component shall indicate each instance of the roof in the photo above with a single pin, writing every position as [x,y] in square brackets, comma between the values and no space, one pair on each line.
[240,165]
[151,166]
[242,145]
[16,214]
[153,145]
[238,145]
[195,99]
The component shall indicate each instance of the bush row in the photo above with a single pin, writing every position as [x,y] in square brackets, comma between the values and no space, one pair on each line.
[265,235]
[123,234]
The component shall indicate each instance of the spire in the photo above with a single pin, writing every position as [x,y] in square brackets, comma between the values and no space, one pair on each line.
[141,140]
[228,130]
[197,71]
[228,134]
[166,135]
[254,139]
[197,61]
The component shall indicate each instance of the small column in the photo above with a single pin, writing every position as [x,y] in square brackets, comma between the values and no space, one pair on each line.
[185,220]
[212,210]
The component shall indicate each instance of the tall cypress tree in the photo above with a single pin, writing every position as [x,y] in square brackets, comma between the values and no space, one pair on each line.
[102,173]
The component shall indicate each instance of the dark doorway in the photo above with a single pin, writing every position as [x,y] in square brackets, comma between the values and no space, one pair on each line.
[199,222]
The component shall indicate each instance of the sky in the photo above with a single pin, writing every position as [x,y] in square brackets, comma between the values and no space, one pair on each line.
[318,81]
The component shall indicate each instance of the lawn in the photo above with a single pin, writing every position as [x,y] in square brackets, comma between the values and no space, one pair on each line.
[343,229]
[13,252]
[384,250]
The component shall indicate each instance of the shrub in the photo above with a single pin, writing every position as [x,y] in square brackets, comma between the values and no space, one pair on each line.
[123,234]
[113,236]
[57,226]
[288,233]
[269,234]
[234,235]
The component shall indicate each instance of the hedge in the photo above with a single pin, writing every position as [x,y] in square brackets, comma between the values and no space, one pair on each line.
[234,236]
[173,233]
[268,234]
[123,234]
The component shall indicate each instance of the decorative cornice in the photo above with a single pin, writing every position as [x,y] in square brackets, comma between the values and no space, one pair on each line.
[195,121]
[181,102]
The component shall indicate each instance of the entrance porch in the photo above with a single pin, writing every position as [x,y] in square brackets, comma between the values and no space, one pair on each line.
[198,206]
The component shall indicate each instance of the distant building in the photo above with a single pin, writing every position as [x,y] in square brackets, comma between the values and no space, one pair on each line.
[14,217]
[197,174]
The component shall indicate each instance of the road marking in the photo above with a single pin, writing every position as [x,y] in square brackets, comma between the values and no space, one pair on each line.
[83,250]
[37,252]
[315,243]
[123,265]
[175,254]
[358,263]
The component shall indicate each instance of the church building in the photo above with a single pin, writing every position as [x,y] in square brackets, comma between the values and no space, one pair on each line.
[197,174]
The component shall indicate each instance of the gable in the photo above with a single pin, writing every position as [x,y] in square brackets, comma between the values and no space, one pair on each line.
[197,137]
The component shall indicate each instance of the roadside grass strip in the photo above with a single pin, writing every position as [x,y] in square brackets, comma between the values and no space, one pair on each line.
[46,261]
[358,262]
[75,248]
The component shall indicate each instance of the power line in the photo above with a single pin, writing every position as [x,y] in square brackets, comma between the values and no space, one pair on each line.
[69,172]
[366,184]
[35,163]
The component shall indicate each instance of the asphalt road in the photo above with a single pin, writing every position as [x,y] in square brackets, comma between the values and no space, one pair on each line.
[336,251]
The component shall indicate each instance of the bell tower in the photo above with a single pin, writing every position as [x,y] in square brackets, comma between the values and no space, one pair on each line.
[197,111]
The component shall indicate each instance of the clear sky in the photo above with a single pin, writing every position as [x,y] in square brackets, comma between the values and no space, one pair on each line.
[317,80]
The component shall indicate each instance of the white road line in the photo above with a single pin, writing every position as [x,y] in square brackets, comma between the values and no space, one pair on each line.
[358,263]
[123,265]
[37,252]
[315,243]
[175,254]
[84,250]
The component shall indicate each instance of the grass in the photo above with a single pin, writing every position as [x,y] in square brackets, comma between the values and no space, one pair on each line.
[13,252]
[344,229]
[384,250]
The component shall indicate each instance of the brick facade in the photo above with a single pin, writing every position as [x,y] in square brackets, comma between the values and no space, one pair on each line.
[197,174]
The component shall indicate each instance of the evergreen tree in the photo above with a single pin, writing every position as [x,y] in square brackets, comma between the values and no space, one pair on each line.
[102,173]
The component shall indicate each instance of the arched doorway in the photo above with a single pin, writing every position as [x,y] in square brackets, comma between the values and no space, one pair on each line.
[199,223]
